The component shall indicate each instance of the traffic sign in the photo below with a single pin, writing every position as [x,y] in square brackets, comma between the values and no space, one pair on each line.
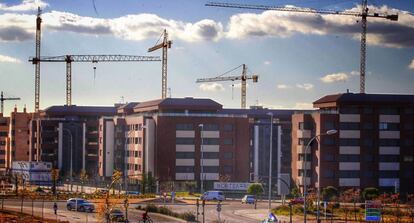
[373,211]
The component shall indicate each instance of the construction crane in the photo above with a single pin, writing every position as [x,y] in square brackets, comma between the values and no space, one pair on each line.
[244,77]
[36,61]
[68,59]
[364,14]
[2,99]
[164,45]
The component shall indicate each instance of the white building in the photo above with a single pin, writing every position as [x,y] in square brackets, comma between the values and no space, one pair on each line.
[34,173]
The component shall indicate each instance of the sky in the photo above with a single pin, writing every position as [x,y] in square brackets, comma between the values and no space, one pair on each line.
[299,57]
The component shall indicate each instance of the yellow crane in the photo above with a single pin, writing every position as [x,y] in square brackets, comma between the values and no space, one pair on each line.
[164,45]
[243,77]
[364,14]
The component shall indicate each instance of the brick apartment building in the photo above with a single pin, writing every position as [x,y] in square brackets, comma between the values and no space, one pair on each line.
[165,137]
[19,136]
[373,146]
[4,132]
[62,131]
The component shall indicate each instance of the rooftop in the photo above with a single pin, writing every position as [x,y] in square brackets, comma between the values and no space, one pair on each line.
[178,103]
[79,110]
[358,98]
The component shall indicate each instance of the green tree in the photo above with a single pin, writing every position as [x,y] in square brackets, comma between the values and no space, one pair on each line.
[255,189]
[370,193]
[329,193]
[295,191]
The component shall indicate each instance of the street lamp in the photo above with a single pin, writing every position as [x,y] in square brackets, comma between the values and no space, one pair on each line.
[201,159]
[71,156]
[270,161]
[329,132]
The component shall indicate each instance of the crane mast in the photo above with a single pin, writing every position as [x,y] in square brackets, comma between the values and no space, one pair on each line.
[364,14]
[164,45]
[68,59]
[36,61]
[243,78]
[2,99]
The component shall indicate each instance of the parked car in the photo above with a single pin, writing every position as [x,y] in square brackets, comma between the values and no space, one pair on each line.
[213,196]
[248,199]
[79,204]
[297,200]
[116,215]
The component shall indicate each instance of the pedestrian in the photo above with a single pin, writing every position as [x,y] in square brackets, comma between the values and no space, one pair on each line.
[55,207]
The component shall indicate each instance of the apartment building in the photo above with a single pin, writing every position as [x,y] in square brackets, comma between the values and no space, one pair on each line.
[4,132]
[67,136]
[373,146]
[19,136]
[181,139]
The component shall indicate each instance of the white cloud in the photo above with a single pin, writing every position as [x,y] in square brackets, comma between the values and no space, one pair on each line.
[305,86]
[283,86]
[26,5]
[411,66]
[381,32]
[336,77]
[7,59]
[266,62]
[354,73]
[211,87]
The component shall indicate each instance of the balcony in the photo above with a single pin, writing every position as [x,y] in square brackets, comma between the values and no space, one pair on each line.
[300,165]
[349,150]
[303,133]
[349,166]
[301,180]
[349,134]
[184,176]
[389,166]
[349,182]
[349,118]
[301,149]
[389,134]
[389,118]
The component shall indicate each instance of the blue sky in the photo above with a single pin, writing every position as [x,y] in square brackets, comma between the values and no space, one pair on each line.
[299,57]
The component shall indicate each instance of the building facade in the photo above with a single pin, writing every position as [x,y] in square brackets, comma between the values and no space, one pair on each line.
[4,142]
[373,146]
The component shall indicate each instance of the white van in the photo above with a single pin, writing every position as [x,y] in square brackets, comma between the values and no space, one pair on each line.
[213,196]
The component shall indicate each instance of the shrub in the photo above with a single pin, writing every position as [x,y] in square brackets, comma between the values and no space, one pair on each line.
[370,193]
[152,208]
[188,216]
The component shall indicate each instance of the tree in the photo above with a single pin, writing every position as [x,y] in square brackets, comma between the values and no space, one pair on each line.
[55,175]
[83,177]
[370,193]
[295,191]
[329,193]
[255,189]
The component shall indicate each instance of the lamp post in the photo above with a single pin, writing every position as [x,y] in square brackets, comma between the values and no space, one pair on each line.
[201,159]
[329,132]
[71,156]
[270,161]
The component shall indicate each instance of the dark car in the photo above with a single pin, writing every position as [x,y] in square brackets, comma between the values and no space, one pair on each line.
[79,204]
[116,215]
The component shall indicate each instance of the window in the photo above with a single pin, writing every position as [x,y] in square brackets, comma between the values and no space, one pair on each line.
[210,141]
[408,111]
[2,143]
[305,125]
[389,158]
[388,111]
[302,141]
[3,134]
[136,167]
[228,127]
[329,157]
[408,158]
[389,142]
[228,169]
[408,174]
[348,158]
[184,141]
[228,155]
[388,174]
[301,173]
[301,157]
[349,142]
[184,127]
[136,153]
[389,126]
[210,127]
[210,155]
[349,126]
[210,169]
[2,152]
[349,174]
[184,169]
[228,141]
[139,154]
[184,155]
[328,173]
